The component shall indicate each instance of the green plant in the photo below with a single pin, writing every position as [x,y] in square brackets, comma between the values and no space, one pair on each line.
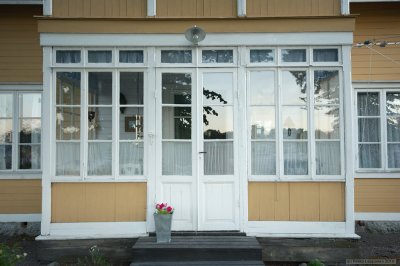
[9,256]
[95,258]
[315,262]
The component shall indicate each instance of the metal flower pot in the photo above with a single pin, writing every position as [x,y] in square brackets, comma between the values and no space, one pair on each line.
[163,227]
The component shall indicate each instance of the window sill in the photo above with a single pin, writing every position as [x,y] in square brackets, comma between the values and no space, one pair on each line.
[377,174]
[20,175]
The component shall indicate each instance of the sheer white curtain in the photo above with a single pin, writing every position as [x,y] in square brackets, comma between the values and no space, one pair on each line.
[177,158]
[263,158]
[68,57]
[131,158]
[295,158]
[218,159]
[131,57]
[67,159]
[100,56]
[328,157]
[99,158]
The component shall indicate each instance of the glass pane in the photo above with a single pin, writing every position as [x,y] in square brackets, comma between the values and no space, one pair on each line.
[68,88]
[368,103]
[394,155]
[29,157]
[294,55]
[326,87]
[325,55]
[217,56]
[327,123]
[6,130]
[393,128]
[217,88]
[177,123]
[218,122]
[294,120]
[328,157]
[68,123]
[68,57]
[68,159]
[29,130]
[262,87]
[30,105]
[369,130]
[262,56]
[218,159]
[131,57]
[131,158]
[295,155]
[100,88]
[99,56]
[6,105]
[294,87]
[131,123]
[393,103]
[176,158]
[131,88]
[5,157]
[99,158]
[100,123]
[369,155]
[176,88]
[176,56]
[263,122]
[263,156]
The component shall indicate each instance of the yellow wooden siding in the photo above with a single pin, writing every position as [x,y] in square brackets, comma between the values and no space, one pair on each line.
[212,25]
[100,8]
[376,21]
[20,52]
[20,196]
[293,8]
[377,195]
[197,8]
[98,202]
[309,201]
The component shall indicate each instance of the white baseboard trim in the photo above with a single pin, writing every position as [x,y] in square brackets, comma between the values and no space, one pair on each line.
[351,236]
[95,230]
[293,229]
[16,218]
[377,216]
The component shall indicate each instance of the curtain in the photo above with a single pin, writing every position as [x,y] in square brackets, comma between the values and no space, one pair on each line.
[68,57]
[131,57]
[263,158]
[177,158]
[328,157]
[219,158]
[99,158]
[99,56]
[369,155]
[294,55]
[131,158]
[29,157]
[5,157]
[325,55]
[261,56]
[368,103]
[295,156]
[217,56]
[394,155]
[67,159]
[176,56]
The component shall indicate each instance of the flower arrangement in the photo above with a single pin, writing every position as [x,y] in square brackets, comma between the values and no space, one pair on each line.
[164,208]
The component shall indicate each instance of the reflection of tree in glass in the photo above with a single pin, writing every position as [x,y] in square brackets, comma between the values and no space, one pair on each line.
[393,115]
[301,81]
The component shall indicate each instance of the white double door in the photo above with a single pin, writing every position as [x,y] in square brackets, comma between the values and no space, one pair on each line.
[197,147]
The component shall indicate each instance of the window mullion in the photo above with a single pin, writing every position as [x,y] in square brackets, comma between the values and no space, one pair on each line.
[115,131]
[15,139]
[84,124]
[311,131]
[383,132]
[279,136]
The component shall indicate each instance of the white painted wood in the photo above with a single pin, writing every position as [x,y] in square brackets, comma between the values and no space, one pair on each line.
[32,217]
[241,8]
[283,227]
[21,87]
[375,85]
[377,216]
[334,235]
[213,39]
[345,7]
[151,8]
[348,139]
[21,2]
[376,174]
[48,134]
[47,7]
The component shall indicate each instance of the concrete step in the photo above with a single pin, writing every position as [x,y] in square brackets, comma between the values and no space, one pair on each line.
[197,249]
[200,263]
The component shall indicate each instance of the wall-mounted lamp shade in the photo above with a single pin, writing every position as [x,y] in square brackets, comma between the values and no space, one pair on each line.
[195,35]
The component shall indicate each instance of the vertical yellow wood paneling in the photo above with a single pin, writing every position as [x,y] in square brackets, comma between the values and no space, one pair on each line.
[196,8]
[266,197]
[332,202]
[20,196]
[377,195]
[254,201]
[304,202]
[98,202]
[282,202]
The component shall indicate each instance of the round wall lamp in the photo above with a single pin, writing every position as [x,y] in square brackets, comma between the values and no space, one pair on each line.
[195,35]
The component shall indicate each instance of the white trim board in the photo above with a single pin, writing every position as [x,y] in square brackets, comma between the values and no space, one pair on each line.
[377,216]
[21,2]
[21,87]
[376,85]
[295,228]
[212,39]
[376,175]
[95,230]
[15,218]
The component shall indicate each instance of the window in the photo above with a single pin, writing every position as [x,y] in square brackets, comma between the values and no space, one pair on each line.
[293,55]
[176,56]
[378,119]
[20,131]
[99,56]
[68,56]
[217,56]
[262,56]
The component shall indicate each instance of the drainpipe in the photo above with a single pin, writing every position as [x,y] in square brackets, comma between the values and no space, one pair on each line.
[47,7]
[151,8]
[241,8]
[345,4]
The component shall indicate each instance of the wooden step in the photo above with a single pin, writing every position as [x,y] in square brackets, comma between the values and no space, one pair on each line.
[198,249]
[204,233]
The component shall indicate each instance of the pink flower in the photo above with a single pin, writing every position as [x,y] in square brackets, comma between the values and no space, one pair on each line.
[169,209]
[162,205]
[158,206]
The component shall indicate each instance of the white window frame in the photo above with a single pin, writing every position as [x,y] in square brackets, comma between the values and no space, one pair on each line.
[384,171]
[14,172]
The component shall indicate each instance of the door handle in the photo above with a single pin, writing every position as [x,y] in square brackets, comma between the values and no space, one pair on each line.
[203,152]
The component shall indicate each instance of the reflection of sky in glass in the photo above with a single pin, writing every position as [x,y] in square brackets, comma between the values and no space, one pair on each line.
[393,103]
[262,122]
[5,130]
[326,121]
[262,86]
[221,83]
[223,123]
[30,105]
[291,91]
[6,105]
[294,122]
